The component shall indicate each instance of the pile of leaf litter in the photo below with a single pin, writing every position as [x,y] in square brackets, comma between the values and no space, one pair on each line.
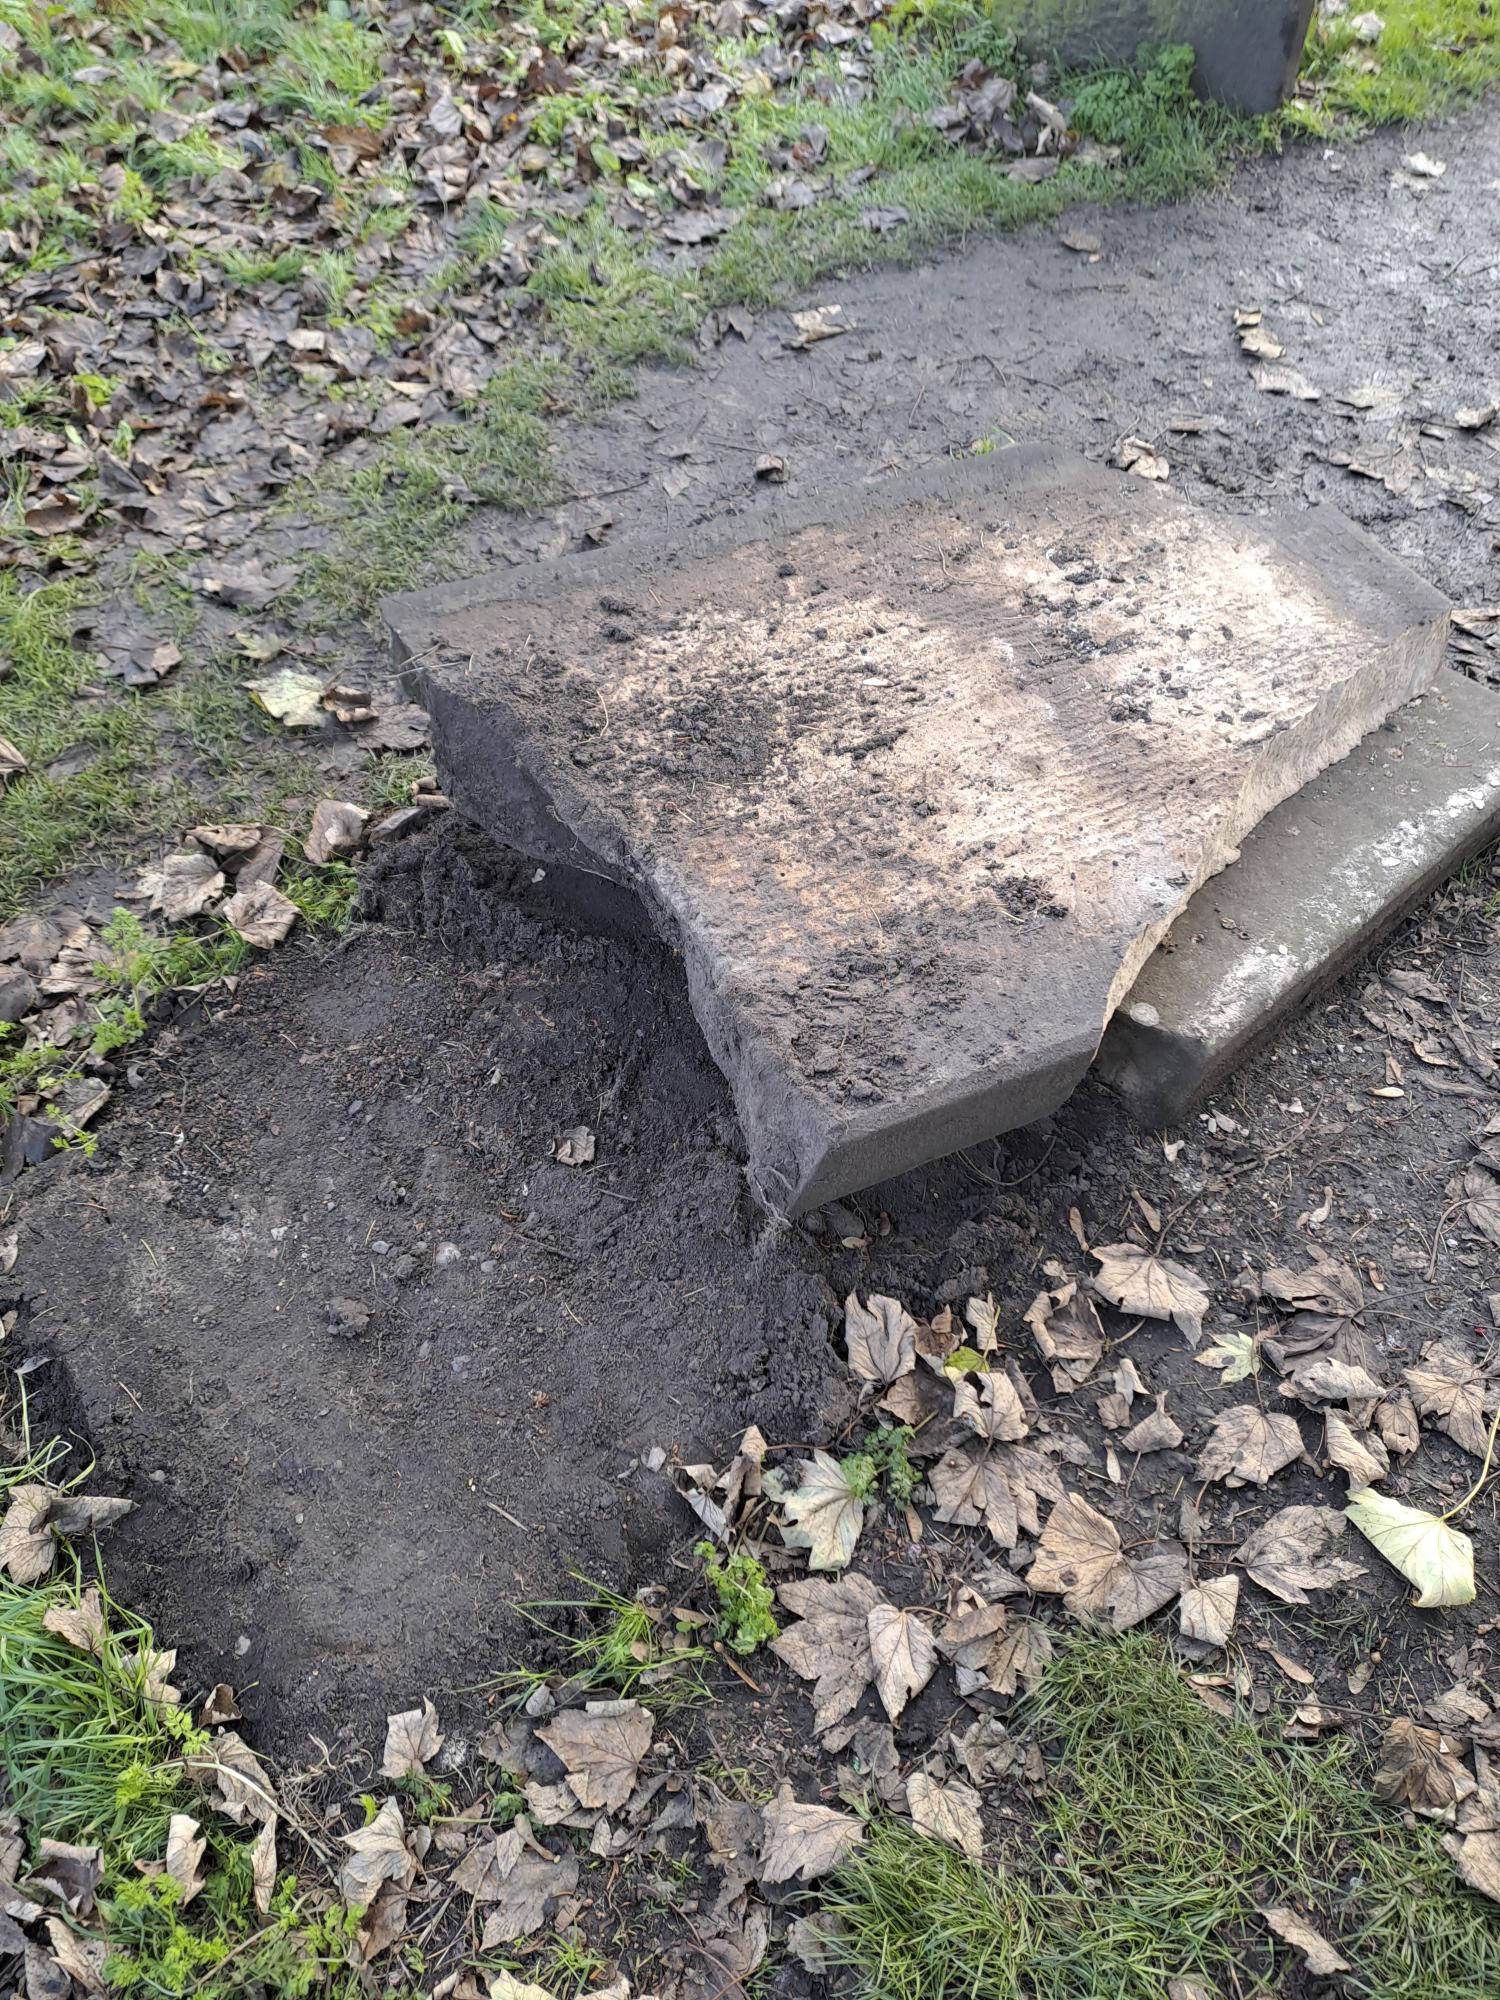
[654,1809]
[237,247]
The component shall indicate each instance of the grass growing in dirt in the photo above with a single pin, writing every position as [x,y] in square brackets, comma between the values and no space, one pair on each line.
[91,1752]
[103,128]
[138,965]
[612,1645]
[1162,1833]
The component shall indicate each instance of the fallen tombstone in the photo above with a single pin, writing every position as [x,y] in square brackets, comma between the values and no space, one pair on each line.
[1247,52]
[917,776]
[1328,872]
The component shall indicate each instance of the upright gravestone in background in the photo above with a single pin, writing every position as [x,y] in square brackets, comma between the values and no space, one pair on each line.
[1248,50]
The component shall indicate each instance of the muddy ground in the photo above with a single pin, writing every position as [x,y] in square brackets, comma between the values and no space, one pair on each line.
[374,1365]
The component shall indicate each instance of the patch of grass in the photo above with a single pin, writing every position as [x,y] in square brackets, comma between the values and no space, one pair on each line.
[92,1752]
[1431,55]
[54,818]
[394,516]
[1162,1834]
[138,966]
[326,896]
[747,1602]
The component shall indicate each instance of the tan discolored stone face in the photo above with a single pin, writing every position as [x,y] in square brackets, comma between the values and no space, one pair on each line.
[918,785]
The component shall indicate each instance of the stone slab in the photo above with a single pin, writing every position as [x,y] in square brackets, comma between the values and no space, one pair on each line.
[917,775]
[1318,881]
[1248,51]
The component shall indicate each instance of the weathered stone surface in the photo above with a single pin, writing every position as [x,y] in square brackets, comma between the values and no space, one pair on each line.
[917,776]
[1317,882]
[1248,51]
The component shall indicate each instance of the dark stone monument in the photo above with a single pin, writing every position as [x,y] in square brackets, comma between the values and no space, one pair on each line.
[1248,50]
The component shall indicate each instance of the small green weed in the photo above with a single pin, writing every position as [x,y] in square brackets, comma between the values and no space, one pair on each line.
[883,1459]
[746,1599]
[622,1647]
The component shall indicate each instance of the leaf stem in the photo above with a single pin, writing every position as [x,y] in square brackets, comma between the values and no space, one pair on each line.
[1484,1472]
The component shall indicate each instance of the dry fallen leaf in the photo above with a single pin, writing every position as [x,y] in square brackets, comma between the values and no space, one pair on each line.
[1419,1768]
[1289,1553]
[522,1882]
[1248,1445]
[1141,1282]
[1133,454]
[1207,1611]
[1069,1338]
[800,1842]
[185,1846]
[506,1986]
[384,1922]
[1156,1432]
[881,1339]
[336,830]
[992,1409]
[261,915]
[292,699]
[1437,1559]
[39,1517]
[1279,378]
[903,1653]
[184,886]
[1318,1954]
[1358,1453]
[70,1873]
[1079,1559]
[601,1746]
[81,1624]
[245,1792]
[947,1812]
[830,1645]
[1325,1286]
[823,1514]
[82,1958]
[1235,1355]
[574,1148]
[412,1740]
[263,1866]
[377,1853]
[1452,1390]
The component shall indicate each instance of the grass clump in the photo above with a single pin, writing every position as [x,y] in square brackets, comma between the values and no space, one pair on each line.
[609,1644]
[96,1749]
[1431,56]
[746,1599]
[1162,1835]
[395,515]
[140,966]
